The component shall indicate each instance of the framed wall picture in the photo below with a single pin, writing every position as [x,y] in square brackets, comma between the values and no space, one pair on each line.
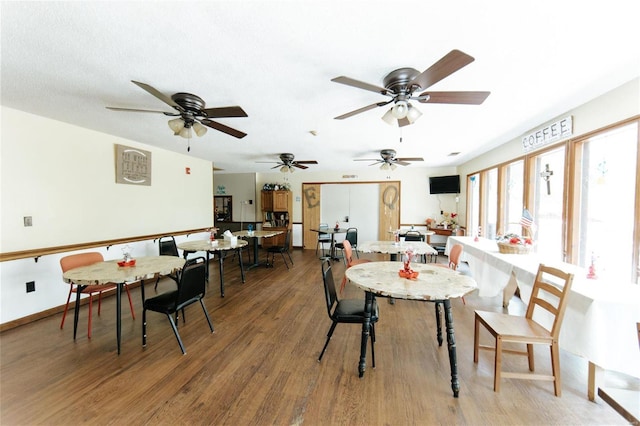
[133,166]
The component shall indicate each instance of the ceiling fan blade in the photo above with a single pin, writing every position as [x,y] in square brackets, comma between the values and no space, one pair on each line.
[363,109]
[158,94]
[446,66]
[469,98]
[307,162]
[402,163]
[224,129]
[229,111]
[141,110]
[276,166]
[367,159]
[410,159]
[360,85]
[300,166]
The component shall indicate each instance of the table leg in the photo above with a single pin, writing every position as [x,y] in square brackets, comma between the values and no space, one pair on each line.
[451,341]
[366,327]
[439,322]
[118,311]
[76,310]
[221,268]
[595,374]
[241,264]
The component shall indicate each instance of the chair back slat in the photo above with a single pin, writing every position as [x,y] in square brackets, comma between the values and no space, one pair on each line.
[352,236]
[81,259]
[331,296]
[413,236]
[192,282]
[167,246]
[543,283]
[454,256]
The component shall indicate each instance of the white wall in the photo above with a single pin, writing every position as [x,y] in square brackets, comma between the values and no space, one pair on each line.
[64,177]
[416,203]
[242,187]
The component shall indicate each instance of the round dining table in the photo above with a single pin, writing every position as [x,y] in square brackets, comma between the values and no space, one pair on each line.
[433,284]
[221,246]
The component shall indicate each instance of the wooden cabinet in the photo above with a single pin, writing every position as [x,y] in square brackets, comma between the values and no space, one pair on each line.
[277,212]
[276,201]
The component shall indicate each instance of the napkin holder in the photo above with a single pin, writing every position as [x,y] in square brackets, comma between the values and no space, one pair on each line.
[233,240]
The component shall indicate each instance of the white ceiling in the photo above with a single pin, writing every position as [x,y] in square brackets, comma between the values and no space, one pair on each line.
[276,59]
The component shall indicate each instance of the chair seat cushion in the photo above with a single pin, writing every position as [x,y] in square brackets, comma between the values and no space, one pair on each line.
[164,302]
[352,310]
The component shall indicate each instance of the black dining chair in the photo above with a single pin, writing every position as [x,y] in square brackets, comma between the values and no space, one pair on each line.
[350,311]
[352,237]
[283,249]
[167,247]
[415,236]
[191,289]
[323,238]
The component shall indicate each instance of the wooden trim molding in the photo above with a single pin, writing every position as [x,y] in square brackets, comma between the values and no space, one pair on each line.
[37,253]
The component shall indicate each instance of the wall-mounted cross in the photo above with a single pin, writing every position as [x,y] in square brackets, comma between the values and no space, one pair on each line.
[546,175]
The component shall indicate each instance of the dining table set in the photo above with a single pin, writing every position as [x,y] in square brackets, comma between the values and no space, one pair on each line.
[426,283]
[119,272]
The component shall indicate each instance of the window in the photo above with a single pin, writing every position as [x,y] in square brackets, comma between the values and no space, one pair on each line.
[473,201]
[605,200]
[490,219]
[547,206]
[514,195]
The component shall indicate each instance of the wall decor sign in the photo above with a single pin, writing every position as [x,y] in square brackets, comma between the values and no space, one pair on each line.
[133,166]
[562,128]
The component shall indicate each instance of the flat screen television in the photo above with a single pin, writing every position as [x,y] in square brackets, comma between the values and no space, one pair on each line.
[444,184]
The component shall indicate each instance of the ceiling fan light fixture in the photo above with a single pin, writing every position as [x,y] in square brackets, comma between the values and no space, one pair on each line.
[199,129]
[392,166]
[389,118]
[413,114]
[384,166]
[177,124]
[186,132]
[284,169]
[400,109]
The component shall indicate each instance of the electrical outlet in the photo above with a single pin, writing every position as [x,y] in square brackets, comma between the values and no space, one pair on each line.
[28,221]
[31,286]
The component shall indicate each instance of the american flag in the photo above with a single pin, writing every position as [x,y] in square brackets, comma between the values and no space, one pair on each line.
[527,219]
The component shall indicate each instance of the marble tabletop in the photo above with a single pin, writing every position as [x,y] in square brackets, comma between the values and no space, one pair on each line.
[109,272]
[432,283]
[206,245]
[390,247]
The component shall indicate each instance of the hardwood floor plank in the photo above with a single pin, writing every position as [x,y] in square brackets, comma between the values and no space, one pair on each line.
[260,366]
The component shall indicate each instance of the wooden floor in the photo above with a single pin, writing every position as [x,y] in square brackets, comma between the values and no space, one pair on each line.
[260,366]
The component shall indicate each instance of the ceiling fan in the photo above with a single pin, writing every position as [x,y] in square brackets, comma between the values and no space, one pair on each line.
[287,163]
[401,84]
[389,161]
[191,112]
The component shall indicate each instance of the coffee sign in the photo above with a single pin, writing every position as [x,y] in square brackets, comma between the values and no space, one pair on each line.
[553,132]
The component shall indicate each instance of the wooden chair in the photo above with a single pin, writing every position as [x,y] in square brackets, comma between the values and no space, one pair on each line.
[550,292]
[84,259]
[191,289]
[349,311]
[348,256]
